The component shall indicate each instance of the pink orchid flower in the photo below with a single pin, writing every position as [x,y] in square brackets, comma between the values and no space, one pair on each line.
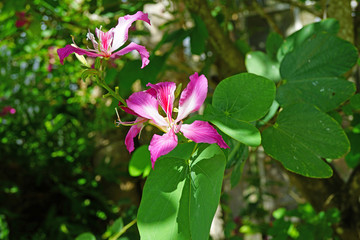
[145,106]
[108,42]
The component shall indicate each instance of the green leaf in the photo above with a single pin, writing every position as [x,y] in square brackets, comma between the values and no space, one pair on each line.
[302,136]
[140,162]
[261,64]
[87,73]
[236,101]
[117,226]
[180,199]
[244,96]
[273,43]
[198,36]
[242,154]
[239,130]
[355,101]
[296,39]
[86,236]
[353,158]
[312,73]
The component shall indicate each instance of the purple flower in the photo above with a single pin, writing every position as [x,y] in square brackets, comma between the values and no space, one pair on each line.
[110,41]
[145,104]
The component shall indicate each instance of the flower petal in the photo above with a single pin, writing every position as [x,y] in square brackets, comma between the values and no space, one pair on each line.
[202,132]
[122,28]
[132,133]
[68,49]
[161,145]
[144,54]
[165,96]
[193,96]
[146,106]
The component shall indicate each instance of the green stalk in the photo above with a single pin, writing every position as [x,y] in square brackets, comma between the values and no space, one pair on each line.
[123,230]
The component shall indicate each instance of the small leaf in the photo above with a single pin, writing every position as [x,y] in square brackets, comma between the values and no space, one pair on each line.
[140,162]
[273,43]
[87,73]
[302,136]
[261,64]
[86,236]
[117,226]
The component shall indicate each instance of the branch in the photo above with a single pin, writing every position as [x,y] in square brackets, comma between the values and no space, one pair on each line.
[232,61]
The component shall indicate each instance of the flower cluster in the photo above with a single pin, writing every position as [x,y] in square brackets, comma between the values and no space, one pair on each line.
[145,105]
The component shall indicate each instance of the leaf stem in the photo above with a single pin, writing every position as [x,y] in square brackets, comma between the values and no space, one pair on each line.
[103,84]
[123,230]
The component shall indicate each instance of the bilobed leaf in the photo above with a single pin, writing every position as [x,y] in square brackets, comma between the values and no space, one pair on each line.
[244,96]
[296,39]
[302,136]
[261,64]
[239,100]
[313,72]
[180,199]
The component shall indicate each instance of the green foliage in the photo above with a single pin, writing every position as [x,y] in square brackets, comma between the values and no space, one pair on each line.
[181,195]
[237,101]
[4,229]
[140,162]
[303,223]
[288,140]
[313,72]
[86,236]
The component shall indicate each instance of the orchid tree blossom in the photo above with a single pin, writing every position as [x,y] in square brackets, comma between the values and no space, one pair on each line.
[145,104]
[110,41]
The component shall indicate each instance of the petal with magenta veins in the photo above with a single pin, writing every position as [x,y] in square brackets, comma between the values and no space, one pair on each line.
[162,145]
[144,54]
[165,96]
[122,28]
[203,132]
[146,106]
[68,49]
[193,96]
[132,133]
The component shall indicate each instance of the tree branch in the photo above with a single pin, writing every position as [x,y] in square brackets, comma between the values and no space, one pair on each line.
[232,61]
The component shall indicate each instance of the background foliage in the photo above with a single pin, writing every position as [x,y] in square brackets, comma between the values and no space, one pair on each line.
[65,172]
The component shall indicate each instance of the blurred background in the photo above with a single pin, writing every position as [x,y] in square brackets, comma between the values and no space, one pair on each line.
[63,163]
